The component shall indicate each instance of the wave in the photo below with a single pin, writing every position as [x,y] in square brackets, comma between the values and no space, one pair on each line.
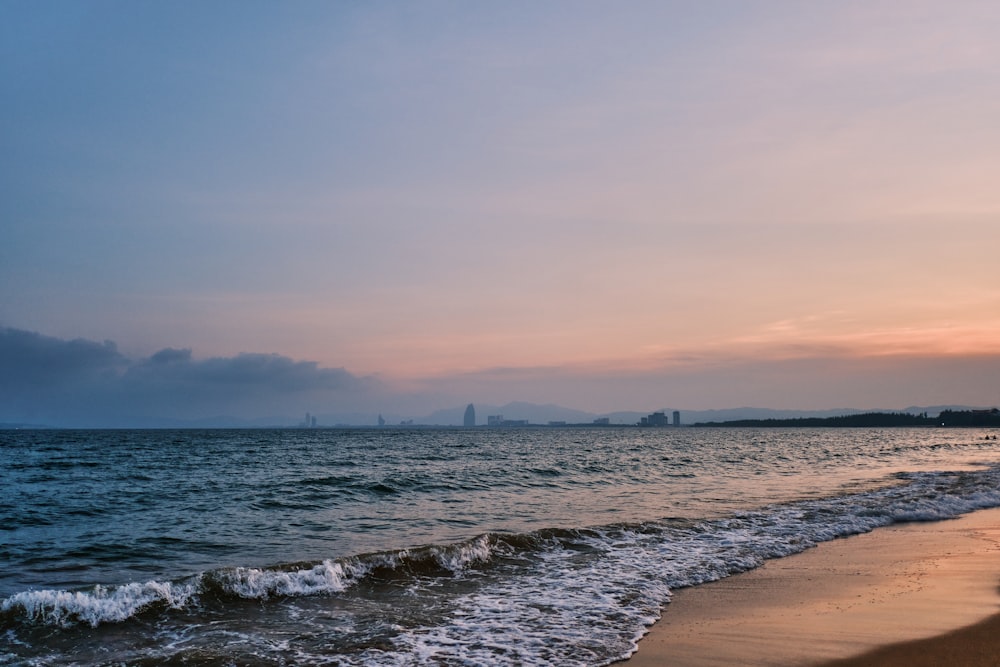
[99,605]
[111,604]
[621,572]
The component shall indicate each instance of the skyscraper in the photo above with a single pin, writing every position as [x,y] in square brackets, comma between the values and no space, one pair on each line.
[470,416]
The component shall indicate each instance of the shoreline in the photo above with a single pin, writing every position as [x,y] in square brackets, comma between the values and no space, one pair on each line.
[907,589]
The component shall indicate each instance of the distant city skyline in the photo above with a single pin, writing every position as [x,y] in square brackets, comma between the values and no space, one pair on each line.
[230,210]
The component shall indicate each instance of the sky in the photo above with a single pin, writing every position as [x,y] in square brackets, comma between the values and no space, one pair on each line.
[236,207]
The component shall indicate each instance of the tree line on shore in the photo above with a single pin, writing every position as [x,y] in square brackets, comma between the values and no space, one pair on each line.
[881,419]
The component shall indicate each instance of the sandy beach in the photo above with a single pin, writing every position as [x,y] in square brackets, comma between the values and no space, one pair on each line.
[909,594]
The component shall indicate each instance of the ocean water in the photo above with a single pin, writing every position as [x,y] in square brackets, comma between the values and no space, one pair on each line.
[534,546]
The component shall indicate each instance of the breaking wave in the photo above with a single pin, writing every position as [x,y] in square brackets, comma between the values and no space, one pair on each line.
[112,604]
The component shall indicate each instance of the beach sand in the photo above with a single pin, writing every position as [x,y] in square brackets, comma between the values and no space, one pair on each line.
[909,594]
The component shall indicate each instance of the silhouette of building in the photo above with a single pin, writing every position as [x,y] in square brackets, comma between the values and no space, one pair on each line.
[655,419]
[381,420]
[470,416]
[677,418]
[603,421]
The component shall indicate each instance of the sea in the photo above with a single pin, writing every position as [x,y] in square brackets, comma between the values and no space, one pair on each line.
[420,546]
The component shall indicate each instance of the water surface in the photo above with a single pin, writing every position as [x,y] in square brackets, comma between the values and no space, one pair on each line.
[416,546]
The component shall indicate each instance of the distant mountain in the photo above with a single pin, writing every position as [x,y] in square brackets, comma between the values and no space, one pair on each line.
[534,414]
[543,414]
[732,414]
[938,409]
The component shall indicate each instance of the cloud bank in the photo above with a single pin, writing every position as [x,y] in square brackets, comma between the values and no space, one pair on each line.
[79,382]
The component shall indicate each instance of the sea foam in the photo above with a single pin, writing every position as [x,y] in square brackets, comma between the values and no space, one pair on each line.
[99,605]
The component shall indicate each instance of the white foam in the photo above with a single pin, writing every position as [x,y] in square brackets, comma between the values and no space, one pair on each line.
[101,605]
[460,557]
[587,606]
[327,577]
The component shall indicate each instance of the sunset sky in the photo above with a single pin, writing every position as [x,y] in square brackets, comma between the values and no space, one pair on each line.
[416,205]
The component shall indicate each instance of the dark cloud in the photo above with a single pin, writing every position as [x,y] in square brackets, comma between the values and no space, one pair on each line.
[173,377]
[169,355]
[30,359]
[80,382]
[248,370]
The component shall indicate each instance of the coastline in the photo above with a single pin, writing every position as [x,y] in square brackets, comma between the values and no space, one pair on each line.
[903,590]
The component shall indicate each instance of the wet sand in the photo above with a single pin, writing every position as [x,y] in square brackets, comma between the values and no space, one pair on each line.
[917,593]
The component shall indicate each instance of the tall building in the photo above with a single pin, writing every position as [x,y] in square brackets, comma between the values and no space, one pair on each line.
[470,416]
[677,417]
[655,419]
